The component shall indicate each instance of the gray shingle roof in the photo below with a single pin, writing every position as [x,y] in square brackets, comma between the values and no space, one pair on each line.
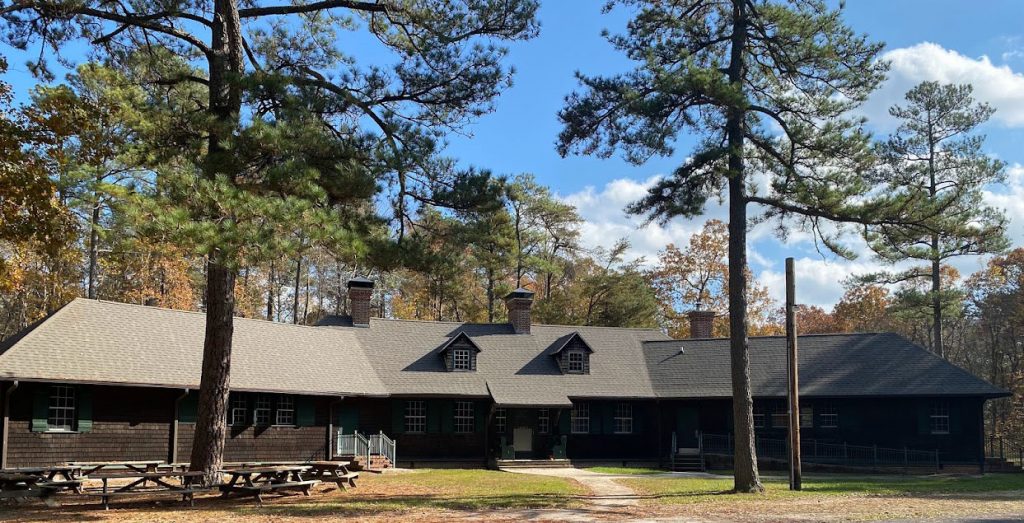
[91,341]
[104,342]
[405,355]
[830,365]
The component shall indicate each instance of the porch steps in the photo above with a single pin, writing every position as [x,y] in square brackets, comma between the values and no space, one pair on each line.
[688,460]
[533,463]
[377,462]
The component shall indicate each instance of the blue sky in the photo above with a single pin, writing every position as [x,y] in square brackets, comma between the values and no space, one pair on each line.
[946,40]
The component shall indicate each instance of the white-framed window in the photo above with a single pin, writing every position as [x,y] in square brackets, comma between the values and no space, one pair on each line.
[759,417]
[806,417]
[465,422]
[285,414]
[829,416]
[939,418]
[262,409]
[461,359]
[543,421]
[576,362]
[780,417]
[62,413]
[237,412]
[500,418]
[415,416]
[623,418]
[580,418]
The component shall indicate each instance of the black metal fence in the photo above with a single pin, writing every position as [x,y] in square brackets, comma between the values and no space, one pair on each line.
[816,451]
[998,447]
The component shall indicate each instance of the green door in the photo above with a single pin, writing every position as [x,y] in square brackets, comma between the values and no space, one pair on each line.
[687,425]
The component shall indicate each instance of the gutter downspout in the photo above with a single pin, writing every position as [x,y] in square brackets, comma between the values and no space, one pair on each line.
[174,427]
[330,427]
[7,423]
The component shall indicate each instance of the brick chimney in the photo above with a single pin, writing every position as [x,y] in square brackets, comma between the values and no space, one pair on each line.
[700,323]
[518,303]
[359,292]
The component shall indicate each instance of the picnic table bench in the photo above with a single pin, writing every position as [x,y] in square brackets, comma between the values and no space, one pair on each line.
[335,472]
[41,482]
[139,481]
[255,481]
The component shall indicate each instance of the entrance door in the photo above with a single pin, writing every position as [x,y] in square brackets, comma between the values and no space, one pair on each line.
[687,425]
[522,442]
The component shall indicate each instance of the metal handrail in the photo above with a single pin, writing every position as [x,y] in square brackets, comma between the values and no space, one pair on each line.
[382,445]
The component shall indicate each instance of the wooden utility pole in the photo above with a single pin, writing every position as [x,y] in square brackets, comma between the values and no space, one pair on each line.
[792,367]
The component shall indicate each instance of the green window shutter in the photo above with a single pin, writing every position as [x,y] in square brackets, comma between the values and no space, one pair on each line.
[595,417]
[924,420]
[348,418]
[40,408]
[305,411]
[955,416]
[608,409]
[480,409]
[188,407]
[83,395]
[447,415]
[398,416]
[433,409]
[564,420]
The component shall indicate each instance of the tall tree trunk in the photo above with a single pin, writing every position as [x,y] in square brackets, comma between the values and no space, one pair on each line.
[270,292]
[94,222]
[295,296]
[225,101]
[745,474]
[933,191]
[490,296]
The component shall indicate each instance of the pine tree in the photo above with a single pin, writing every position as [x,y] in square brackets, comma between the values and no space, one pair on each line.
[766,85]
[936,157]
[285,124]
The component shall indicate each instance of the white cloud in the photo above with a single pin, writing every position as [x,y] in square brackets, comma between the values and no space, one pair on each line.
[606,221]
[997,85]
[1011,200]
[818,281]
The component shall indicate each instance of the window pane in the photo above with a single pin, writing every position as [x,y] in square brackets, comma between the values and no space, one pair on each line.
[806,417]
[829,416]
[623,418]
[576,362]
[415,416]
[461,359]
[543,421]
[580,418]
[285,410]
[61,414]
[499,420]
[236,415]
[464,420]
[262,410]
[939,418]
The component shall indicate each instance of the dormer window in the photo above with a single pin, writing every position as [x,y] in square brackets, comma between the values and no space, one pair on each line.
[575,361]
[459,353]
[461,359]
[572,354]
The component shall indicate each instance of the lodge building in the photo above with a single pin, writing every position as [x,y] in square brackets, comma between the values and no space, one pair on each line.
[104,381]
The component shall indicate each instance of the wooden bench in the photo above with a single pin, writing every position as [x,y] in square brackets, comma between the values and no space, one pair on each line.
[256,481]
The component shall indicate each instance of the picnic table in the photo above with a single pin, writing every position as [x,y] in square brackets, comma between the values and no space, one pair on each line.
[138,481]
[40,482]
[335,472]
[88,468]
[255,481]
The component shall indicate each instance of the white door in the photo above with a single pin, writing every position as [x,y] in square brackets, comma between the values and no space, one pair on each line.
[522,439]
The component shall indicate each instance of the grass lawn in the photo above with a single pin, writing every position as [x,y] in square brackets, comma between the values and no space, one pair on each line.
[694,490]
[440,489]
[838,497]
